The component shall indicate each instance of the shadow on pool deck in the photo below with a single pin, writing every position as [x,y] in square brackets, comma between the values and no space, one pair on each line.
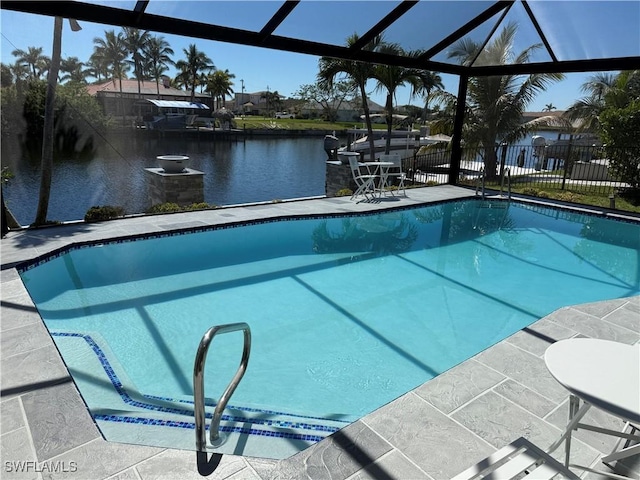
[433,432]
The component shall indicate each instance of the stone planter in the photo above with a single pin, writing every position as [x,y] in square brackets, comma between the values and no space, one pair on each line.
[173,163]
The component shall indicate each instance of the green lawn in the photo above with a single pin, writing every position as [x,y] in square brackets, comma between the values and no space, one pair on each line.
[580,194]
[252,121]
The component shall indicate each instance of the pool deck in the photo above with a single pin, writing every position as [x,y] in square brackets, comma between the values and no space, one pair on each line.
[433,432]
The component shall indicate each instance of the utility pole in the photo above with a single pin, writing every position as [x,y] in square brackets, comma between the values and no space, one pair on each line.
[242,96]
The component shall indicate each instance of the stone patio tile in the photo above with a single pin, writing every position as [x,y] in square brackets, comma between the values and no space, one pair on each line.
[523,367]
[437,444]
[595,416]
[16,447]
[393,465]
[15,255]
[13,288]
[627,316]
[525,398]
[32,370]
[8,275]
[17,312]
[22,339]
[537,337]
[337,457]
[58,420]
[633,304]
[457,386]
[245,474]
[592,327]
[100,459]
[129,474]
[601,309]
[11,415]
[499,422]
[262,466]
[182,464]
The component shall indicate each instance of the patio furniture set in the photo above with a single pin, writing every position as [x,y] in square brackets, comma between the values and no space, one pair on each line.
[373,178]
[598,374]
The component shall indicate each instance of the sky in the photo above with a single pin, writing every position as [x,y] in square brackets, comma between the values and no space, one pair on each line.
[260,69]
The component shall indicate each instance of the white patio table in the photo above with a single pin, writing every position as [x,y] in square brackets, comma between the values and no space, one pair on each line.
[601,374]
[382,170]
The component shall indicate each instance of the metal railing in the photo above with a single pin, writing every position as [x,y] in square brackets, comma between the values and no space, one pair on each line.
[534,170]
[481,181]
[506,174]
[198,384]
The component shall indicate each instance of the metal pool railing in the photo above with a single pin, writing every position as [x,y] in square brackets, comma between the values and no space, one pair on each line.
[198,384]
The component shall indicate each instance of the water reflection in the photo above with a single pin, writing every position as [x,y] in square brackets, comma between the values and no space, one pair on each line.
[386,234]
[112,172]
[595,235]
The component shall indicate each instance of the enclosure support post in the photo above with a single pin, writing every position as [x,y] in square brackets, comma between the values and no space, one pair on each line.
[456,145]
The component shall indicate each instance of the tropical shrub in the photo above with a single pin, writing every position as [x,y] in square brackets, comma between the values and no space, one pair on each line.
[100,213]
[200,206]
[621,135]
[170,207]
[166,207]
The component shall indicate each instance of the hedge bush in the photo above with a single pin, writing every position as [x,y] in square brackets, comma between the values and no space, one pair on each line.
[105,212]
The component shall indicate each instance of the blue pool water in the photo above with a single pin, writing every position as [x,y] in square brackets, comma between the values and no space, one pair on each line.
[346,313]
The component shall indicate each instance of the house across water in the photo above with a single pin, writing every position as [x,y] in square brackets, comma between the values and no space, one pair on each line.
[170,114]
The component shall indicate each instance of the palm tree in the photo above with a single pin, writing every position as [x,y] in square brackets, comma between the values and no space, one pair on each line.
[73,68]
[273,101]
[135,41]
[390,77]
[202,81]
[47,138]
[33,58]
[549,107]
[219,85]
[429,81]
[358,72]
[586,110]
[97,67]
[191,67]
[495,104]
[20,73]
[157,53]
[181,80]
[112,52]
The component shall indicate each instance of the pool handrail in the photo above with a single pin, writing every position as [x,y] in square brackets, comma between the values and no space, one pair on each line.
[506,173]
[481,179]
[198,384]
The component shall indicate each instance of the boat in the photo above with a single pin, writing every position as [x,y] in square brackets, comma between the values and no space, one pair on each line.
[172,114]
[331,145]
[405,142]
[580,147]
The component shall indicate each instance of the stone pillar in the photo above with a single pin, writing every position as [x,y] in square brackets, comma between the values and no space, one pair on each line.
[182,188]
[338,177]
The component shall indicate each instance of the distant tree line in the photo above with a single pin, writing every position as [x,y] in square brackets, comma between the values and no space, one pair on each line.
[145,56]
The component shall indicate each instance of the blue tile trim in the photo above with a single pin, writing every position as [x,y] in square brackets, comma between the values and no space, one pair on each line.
[191,426]
[249,409]
[117,385]
[29,264]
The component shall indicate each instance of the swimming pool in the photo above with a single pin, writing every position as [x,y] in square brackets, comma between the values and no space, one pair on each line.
[347,313]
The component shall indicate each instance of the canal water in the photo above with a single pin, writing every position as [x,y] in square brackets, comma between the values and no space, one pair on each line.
[248,170]
[243,171]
